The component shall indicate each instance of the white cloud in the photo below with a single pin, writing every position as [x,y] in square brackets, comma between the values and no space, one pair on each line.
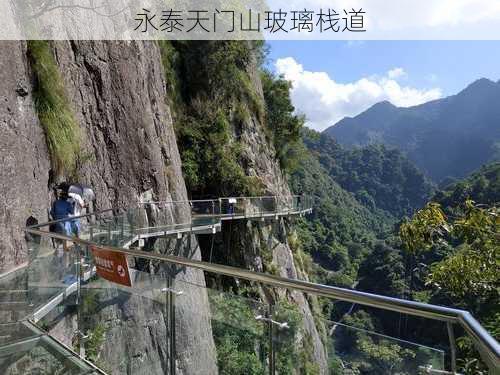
[324,101]
[396,73]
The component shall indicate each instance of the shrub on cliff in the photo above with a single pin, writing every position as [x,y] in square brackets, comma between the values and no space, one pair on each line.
[54,111]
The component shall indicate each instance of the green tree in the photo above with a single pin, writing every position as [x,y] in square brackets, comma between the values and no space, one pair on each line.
[468,275]
[284,125]
[424,229]
[472,270]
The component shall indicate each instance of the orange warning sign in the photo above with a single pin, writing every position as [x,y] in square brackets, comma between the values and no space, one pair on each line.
[111,265]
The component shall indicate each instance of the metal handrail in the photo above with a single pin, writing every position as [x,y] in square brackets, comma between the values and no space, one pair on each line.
[95,213]
[182,201]
[487,346]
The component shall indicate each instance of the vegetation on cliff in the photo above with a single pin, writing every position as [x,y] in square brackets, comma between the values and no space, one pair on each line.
[54,110]
[281,120]
[212,95]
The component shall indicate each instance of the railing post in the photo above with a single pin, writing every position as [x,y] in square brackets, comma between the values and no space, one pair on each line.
[453,349]
[171,321]
[122,229]
[79,277]
[131,226]
[109,232]
[270,328]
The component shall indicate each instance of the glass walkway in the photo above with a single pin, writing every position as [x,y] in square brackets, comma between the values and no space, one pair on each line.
[61,313]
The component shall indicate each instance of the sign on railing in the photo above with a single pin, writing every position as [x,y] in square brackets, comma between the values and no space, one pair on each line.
[111,266]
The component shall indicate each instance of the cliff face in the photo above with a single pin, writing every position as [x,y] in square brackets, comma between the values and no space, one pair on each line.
[263,246]
[254,241]
[128,154]
[129,146]
[25,163]
[273,236]
[119,92]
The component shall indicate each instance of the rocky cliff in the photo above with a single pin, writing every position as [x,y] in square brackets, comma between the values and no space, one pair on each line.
[263,246]
[24,175]
[128,152]
[259,240]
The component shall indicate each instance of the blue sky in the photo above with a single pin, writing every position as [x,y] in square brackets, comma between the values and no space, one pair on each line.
[333,79]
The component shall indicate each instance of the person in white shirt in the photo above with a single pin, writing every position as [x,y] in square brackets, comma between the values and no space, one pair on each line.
[78,204]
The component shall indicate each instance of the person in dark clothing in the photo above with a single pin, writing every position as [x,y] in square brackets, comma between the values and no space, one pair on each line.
[62,210]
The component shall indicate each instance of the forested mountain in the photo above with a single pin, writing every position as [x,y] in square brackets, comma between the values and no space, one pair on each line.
[355,244]
[379,177]
[482,186]
[450,265]
[446,137]
[341,231]
[446,254]
[360,235]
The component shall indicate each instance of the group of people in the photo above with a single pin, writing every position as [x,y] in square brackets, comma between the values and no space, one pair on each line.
[67,209]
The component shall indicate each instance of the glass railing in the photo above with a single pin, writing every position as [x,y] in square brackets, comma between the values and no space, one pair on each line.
[26,349]
[165,321]
[370,352]
[129,227]
[265,206]
[176,314]
[169,321]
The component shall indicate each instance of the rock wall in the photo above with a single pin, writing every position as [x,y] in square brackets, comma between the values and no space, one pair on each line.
[24,160]
[245,243]
[129,145]
[118,90]
[128,154]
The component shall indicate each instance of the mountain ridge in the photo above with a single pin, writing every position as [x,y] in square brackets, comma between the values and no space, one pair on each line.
[445,137]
